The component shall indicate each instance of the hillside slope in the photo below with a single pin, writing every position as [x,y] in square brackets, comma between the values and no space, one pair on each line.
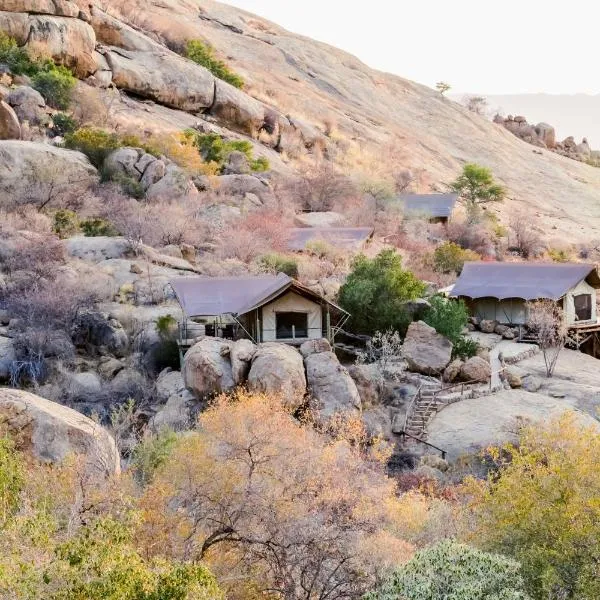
[378,110]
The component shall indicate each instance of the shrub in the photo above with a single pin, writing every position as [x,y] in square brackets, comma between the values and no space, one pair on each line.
[450,570]
[450,257]
[56,85]
[559,255]
[128,185]
[95,227]
[11,478]
[279,263]
[203,54]
[449,318]
[65,223]
[63,124]
[382,285]
[151,453]
[17,59]
[215,149]
[96,144]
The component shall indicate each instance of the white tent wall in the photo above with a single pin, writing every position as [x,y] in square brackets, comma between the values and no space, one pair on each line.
[291,302]
[569,303]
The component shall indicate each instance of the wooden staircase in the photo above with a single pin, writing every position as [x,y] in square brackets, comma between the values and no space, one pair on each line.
[422,409]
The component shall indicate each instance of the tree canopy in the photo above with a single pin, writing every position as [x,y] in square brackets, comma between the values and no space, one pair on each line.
[476,186]
[375,293]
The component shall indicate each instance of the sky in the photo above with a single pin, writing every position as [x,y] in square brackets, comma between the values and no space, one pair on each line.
[477,46]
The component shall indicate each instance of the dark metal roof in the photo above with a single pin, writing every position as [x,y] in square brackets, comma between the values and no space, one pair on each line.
[349,238]
[212,296]
[527,281]
[429,205]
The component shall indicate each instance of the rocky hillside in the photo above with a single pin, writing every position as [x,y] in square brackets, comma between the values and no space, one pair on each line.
[300,96]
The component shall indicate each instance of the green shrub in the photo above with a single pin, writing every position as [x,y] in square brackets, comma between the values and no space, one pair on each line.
[450,258]
[558,255]
[63,124]
[203,54]
[56,85]
[17,59]
[65,223]
[129,186]
[214,149]
[95,143]
[96,227]
[279,263]
[449,318]
[452,571]
[375,293]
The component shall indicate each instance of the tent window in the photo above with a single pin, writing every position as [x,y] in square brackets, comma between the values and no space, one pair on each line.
[583,307]
[291,325]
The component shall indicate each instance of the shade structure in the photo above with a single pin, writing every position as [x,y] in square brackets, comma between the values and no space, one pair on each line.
[347,238]
[209,296]
[429,205]
[527,281]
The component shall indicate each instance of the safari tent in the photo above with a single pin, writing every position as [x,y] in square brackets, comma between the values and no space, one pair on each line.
[501,290]
[436,208]
[269,308]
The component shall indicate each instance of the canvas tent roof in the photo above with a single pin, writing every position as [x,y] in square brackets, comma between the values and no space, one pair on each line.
[527,281]
[211,296]
[351,238]
[432,205]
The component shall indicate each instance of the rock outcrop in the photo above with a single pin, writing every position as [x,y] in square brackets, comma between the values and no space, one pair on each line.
[27,166]
[28,105]
[241,354]
[51,432]
[330,385]
[476,369]
[425,350]
[10,128]
[278,369]
[207,368]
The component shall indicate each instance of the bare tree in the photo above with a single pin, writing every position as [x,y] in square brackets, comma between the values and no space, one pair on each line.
[524,239]
[321,188]
[549,329]
[476,104]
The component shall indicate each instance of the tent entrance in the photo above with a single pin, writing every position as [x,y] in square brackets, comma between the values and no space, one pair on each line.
[291,325]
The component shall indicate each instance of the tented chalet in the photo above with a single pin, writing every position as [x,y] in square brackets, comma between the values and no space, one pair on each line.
[346,238]
[436,208]
[500,290]
[269,308]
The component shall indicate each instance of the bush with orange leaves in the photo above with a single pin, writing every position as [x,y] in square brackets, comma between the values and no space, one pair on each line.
[273,506]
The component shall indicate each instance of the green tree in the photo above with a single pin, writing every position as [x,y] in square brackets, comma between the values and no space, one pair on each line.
[449,317]
[451,571]
[450,258]
[476,186]
[376,291]
[442,87]
[541,507]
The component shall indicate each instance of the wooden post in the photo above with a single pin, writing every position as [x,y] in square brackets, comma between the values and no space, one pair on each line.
[328,325]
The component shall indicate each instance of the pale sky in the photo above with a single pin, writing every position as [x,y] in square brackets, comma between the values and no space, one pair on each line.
[508,47]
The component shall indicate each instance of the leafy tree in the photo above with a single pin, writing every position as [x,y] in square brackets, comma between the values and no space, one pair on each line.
[451,571]
[204,55]
[442,87]
[450,258]
[375,293]
[292,512]
[476,186]
[449,317]
[55,84]
[541,507]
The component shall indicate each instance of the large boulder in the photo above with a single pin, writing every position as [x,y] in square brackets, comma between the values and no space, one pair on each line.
[112,32]
[452,371]
[51,432]
[369,382]
[97,248]
[27,167]
[241,354]
[174,184]
[425,350]
[10,128]
[162,76]
[240,111]
[330,384]
[64,8]
[476,369]
[315,347]
[176,402]
[69,42]
[488,325]
[207,368]
[546,134]
[169,383]
[98,329]
[7,356]
[278,369]
[29,105]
